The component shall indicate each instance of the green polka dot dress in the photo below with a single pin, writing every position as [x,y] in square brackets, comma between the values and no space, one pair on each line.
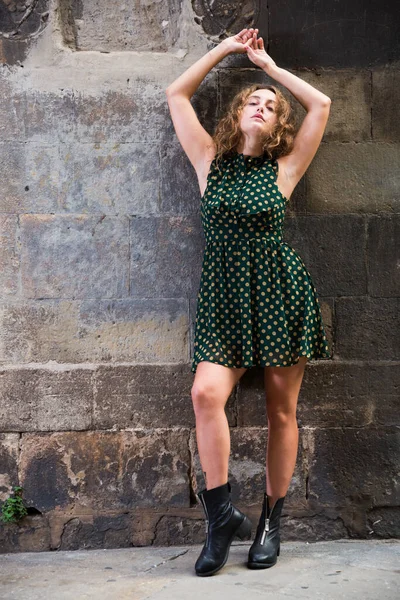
[256,304]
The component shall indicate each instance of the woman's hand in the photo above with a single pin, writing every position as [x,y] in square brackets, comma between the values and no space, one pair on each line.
[256,52]
[238,43]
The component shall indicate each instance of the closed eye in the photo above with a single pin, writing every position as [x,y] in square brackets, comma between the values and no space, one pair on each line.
[269,107]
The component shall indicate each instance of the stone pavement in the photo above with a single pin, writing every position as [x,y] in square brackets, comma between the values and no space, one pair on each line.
[331,570]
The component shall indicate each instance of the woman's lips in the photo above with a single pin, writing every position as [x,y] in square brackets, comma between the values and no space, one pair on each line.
[258,117]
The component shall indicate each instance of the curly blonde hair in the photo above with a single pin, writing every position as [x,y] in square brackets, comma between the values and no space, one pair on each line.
[228,134]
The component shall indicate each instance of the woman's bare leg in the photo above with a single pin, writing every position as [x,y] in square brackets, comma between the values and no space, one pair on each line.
[211,389]
[282,387]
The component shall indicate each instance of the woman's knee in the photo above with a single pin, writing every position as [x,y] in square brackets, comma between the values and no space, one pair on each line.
[206,398]
[278,418]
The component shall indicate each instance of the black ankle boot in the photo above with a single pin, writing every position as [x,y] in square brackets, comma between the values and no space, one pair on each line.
[266,546]
[223,523]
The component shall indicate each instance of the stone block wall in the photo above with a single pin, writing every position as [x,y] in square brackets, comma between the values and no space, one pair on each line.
[101,248]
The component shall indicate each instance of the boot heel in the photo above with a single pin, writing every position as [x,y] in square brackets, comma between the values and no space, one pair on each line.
[244,531]
[279,549]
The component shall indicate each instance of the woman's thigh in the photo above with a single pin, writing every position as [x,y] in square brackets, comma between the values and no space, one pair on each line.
[214,383]
[282,387]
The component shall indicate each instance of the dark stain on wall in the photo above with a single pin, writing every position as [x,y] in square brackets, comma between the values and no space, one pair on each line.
[223,18]
[19,23]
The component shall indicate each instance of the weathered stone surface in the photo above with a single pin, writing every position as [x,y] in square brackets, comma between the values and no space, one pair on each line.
[251,399]
[185,531]
[46,400]
[336,34]
[34,534]
[9,538]
[354,395]
[155,468]
[49,117]
[222,19]
[9,453]
[105,470]
[327,312]
[103,532]
[145,396]
[298,522]
[367,328]
[142,396]
[11,120]
[114,179]
[349,394]
[95,249]
[138,113]
[37,331]
[329,246]
[176,526]
[205,100]
[386,99]
[135,113]
[179,189]
[313,527]
[147,330]
[354,466]
[94,330]
[152,26]
[150,527]
[349,121]
[297,203]
[30,177]
[384,522]
[348,178]
[166,256]
[9,256]
[31,534]
[20,20]
[383,255]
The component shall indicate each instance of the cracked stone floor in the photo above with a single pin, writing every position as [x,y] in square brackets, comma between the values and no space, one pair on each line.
[331,570]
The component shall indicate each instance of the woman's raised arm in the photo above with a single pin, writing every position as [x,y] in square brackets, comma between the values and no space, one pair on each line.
[195,140]
[317,105]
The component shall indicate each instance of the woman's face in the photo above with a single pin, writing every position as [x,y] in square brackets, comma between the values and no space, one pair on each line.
[262,103]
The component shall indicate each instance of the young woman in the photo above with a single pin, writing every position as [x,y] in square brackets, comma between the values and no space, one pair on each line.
[257,304]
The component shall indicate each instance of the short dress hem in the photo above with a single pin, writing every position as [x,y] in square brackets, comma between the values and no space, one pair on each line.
[247,365]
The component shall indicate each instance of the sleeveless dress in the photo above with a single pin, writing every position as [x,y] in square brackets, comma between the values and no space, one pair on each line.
[256,304]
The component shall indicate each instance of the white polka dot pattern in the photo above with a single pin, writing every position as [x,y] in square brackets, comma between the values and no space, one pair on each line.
[257,304]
